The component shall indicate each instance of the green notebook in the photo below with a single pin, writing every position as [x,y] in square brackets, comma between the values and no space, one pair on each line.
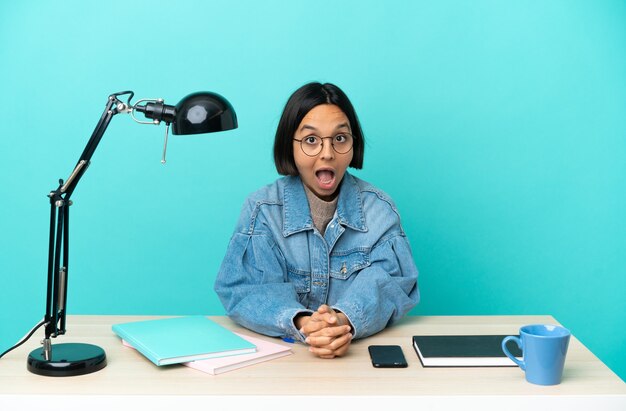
[182,339]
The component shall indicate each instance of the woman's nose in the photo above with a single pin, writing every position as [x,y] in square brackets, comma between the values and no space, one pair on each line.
[327,150]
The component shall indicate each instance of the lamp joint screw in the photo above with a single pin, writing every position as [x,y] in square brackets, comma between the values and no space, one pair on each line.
[58,203]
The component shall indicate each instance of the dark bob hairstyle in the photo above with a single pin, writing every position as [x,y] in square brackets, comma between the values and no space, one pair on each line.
[299,104]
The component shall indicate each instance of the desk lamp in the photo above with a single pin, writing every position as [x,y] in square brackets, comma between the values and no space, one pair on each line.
[201,112]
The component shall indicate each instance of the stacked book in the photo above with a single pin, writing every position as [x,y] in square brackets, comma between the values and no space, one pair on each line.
[197,342]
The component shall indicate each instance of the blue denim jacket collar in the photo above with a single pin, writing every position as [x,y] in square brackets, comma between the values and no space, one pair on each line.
[297,216]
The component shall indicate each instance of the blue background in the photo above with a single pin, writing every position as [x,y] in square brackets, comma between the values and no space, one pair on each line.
[498,128]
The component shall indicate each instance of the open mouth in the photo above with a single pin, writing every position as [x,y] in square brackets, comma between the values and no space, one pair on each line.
[325,178]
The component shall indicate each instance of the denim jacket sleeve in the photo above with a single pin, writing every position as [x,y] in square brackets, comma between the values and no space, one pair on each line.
[383,292]
[251,286]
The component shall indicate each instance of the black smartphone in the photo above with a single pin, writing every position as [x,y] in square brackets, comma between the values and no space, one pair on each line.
[387,356]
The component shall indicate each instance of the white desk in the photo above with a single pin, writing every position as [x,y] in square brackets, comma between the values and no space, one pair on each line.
[130,380]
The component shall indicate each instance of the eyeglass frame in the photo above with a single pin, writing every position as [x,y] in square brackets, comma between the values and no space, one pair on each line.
[322,143]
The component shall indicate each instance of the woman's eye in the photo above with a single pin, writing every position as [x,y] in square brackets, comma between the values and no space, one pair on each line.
[310,140]
[340,138]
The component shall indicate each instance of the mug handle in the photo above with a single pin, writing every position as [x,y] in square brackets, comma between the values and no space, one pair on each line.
[521,364]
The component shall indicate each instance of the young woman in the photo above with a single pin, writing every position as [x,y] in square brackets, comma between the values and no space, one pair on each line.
[319,255]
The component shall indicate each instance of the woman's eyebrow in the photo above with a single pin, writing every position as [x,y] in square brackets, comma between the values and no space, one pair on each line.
[312,128]
[307,127]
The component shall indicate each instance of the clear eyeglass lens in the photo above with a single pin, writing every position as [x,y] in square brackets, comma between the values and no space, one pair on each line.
[312,145]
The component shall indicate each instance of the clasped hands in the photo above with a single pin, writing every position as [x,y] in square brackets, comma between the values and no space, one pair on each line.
[327,332]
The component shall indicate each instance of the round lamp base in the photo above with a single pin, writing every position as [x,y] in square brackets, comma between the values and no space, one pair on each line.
[67,360]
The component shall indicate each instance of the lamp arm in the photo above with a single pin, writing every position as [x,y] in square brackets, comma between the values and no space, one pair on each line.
[114,106]
[55,313]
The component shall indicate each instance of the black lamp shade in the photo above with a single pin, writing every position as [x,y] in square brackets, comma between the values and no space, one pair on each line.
[203,112]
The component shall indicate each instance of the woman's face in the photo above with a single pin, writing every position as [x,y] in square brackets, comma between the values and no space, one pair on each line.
[322,173]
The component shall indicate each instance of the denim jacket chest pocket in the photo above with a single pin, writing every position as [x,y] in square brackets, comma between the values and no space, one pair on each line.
[344,263]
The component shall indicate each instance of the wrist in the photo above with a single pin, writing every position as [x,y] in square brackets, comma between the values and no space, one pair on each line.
[301,319]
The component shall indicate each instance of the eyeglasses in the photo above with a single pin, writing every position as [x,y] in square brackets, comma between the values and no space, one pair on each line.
[312,145]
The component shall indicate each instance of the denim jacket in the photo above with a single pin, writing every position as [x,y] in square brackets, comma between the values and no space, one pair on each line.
[278,265]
